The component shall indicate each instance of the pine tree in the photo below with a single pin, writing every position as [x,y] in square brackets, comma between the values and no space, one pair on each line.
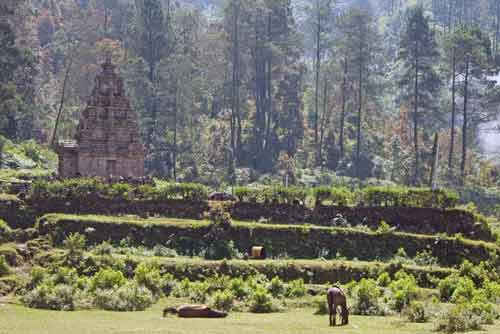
[420,82]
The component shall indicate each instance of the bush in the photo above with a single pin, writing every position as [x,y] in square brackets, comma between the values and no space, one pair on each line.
[37,276]
[384,279]
[492,290]
[366,294]
[64,275]
[4,266]
[5,230]
[199,292]
[276,287]
[464,289]
[416,312]
[239,288]
[129,297]
[460,318]
[223,300]
[410,197]
[340,196]
[447,287]
[52,297]
[320,305]
[296,289]
[106,279]
[404,289]
[148,275]
[261,301]
[120,190]
[75,244]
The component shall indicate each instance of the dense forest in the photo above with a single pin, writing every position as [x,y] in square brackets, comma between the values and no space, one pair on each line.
[234,91]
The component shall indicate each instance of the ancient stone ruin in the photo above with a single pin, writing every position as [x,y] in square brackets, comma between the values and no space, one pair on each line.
[107,142]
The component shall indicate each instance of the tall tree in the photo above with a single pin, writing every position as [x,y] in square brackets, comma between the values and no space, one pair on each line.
[418,55]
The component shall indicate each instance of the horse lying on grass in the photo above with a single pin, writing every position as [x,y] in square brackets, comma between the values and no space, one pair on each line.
[194,311]
[336,298]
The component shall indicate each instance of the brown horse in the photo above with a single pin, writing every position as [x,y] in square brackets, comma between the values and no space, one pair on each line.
[336,298]
[194,311]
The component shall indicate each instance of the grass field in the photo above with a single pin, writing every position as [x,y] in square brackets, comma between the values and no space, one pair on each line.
[15,319]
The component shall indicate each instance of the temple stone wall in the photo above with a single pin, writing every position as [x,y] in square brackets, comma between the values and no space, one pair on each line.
[108,141]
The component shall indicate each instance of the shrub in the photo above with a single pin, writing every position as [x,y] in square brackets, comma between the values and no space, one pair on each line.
[199,292]
[182,289]
[410,197]
[425,258]
[492,290]
[459,318]
[296,289]
[104,248]
[464,289]
[120,190]
[4,266]
[320,305]
[148,275]
[366,294]
[75,244]
[169,284]
[340,196]
[276,287]
[239,288]
[5,230]
[261,301]
[51,297]
[404,289]
[37,276]
[223,300]
[64,275]
[384,279]
[106,279]
[128,297]
[447,287]
[416,312]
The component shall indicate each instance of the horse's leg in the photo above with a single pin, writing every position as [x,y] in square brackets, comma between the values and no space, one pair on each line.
[334,322]
[345,320]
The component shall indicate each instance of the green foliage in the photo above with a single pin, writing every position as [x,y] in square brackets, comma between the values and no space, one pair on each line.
[465,316]
[410,197]
[296,289]
[366,294]
[261,301]
[340,196]
[404,290]
[128,297]
[464,289]
[75,244]
[320,305]
[223,300]
[239,288]
[106,279]
[416,312]
[4,266]
[148,275]
[276,287]
[198,292]
[447,287]
[53,297]
[384,279]
[90,188]
[5,230]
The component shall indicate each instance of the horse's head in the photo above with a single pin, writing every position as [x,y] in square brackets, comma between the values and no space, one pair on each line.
[345,316]
[167,310]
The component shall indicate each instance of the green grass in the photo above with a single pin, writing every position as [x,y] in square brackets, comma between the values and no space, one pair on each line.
[20,320]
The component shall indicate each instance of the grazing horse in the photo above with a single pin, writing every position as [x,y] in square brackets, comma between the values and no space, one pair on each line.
[194,311]
[336,298]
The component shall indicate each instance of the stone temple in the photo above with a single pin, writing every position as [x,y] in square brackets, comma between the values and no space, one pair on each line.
[107,142]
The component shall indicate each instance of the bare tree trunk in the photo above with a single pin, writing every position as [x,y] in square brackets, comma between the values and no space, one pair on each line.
[342,115]
[62,101]
[360,108]
[435,162]
[453,114]
[416,120]
[465,124]
[318,69]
